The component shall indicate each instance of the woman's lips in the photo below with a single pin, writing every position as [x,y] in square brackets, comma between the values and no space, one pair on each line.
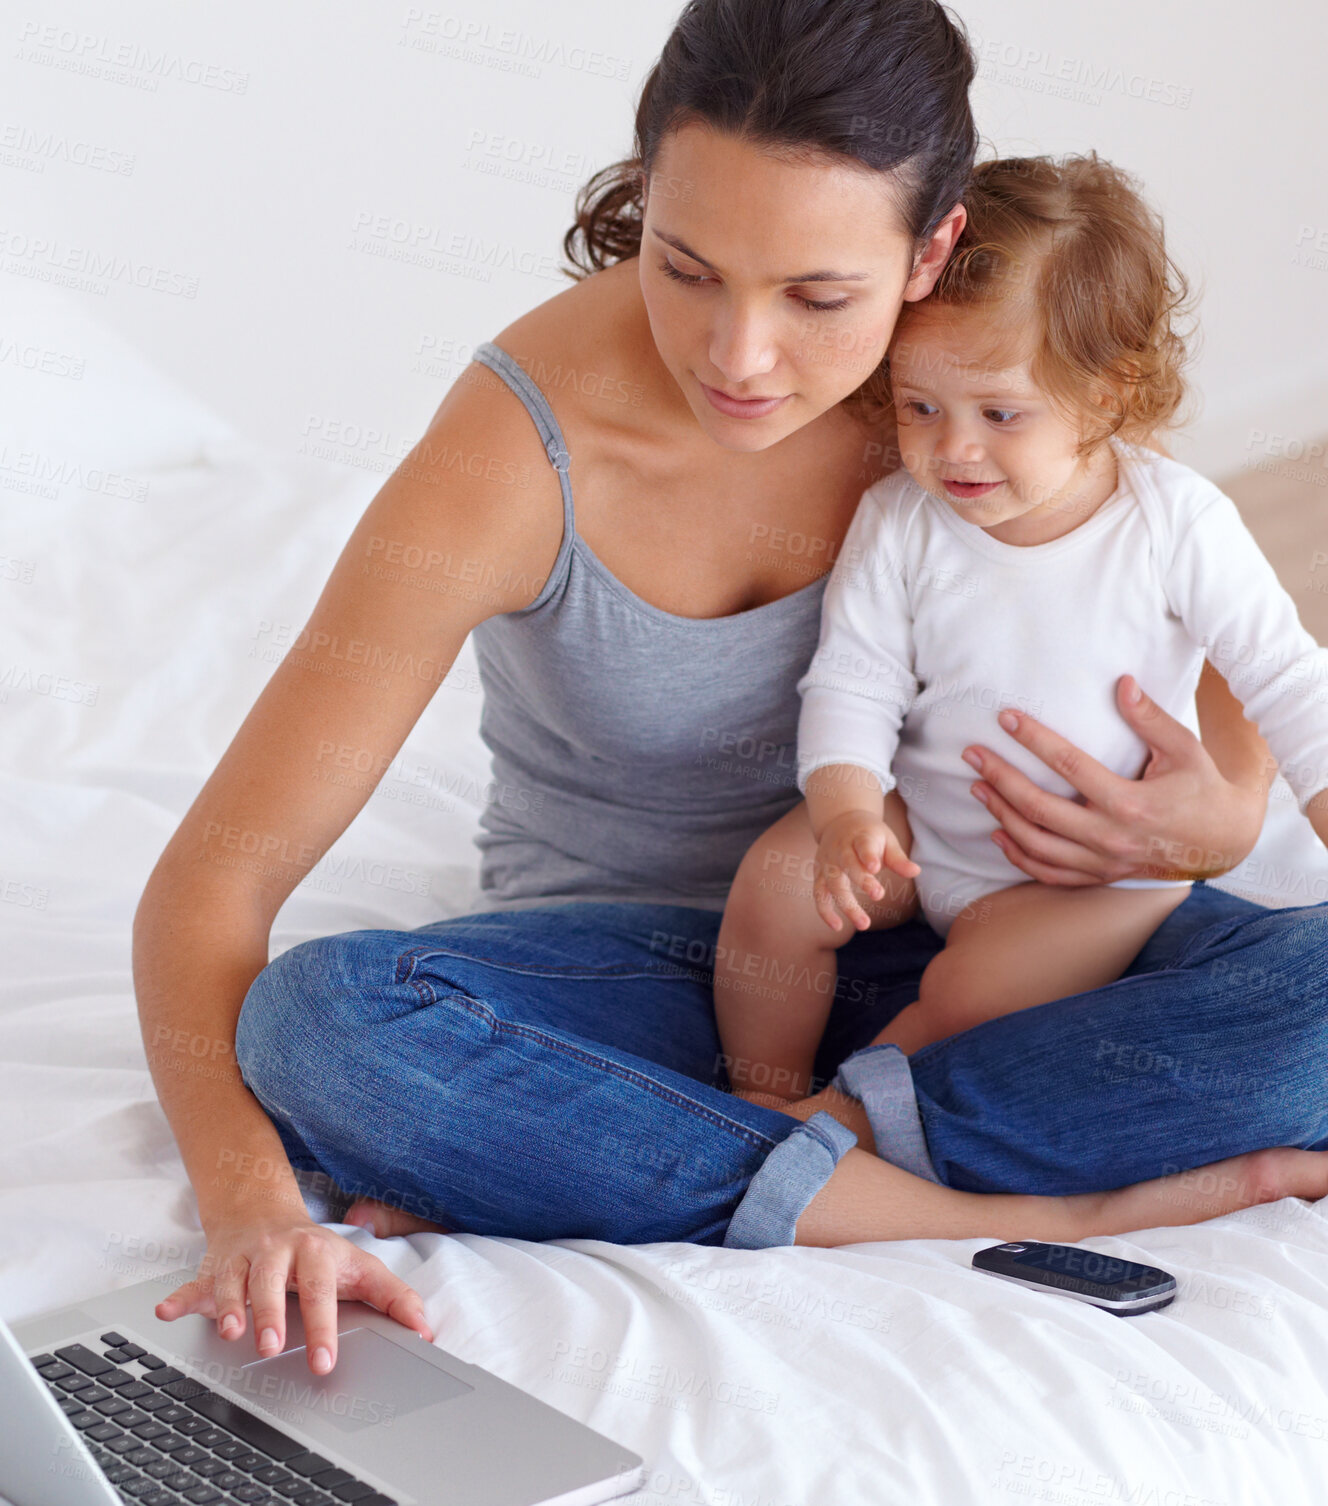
[741,408]
[967,490]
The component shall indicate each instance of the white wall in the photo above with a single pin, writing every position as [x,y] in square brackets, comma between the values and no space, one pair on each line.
[262,136]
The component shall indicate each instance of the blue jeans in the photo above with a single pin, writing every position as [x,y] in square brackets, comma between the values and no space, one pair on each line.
[555,1072]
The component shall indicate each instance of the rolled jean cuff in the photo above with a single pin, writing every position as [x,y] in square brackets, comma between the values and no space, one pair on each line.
[788,1179]
[880,1077]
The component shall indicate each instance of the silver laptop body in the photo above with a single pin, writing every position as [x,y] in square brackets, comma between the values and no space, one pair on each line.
[396,1420]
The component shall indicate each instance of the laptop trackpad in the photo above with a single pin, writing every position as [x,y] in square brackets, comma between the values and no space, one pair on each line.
[373,1382]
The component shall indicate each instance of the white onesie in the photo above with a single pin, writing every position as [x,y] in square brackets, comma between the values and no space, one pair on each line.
[930,626]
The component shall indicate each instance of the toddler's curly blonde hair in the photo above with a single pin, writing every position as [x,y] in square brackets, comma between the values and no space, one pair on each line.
[1065,248]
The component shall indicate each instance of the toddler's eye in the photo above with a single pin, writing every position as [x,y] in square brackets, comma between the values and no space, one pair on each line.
[920,409]
[1000,415]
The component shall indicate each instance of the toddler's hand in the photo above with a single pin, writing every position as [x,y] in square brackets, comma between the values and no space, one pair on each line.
[852,850]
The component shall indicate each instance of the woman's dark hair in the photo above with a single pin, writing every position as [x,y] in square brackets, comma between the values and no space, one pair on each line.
[883,83]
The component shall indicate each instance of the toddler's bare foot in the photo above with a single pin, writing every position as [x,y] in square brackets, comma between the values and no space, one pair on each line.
[383,1221]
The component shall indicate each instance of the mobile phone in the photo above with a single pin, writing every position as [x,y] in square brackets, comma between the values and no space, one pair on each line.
[1120,1286]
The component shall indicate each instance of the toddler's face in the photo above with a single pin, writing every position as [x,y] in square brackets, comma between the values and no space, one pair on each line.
[977,434]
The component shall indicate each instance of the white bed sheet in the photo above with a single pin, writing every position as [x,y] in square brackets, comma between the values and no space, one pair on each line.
[874,1373]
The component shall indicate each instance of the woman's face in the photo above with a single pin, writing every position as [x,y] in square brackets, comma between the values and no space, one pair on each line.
[731,238]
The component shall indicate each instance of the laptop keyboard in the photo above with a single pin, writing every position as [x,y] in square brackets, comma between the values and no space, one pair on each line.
[162,1438]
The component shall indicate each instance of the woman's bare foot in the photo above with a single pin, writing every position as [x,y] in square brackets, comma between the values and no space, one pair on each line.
[1190,1197]
[383,1221]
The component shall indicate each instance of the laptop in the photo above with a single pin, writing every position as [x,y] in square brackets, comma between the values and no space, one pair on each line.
[103,1404]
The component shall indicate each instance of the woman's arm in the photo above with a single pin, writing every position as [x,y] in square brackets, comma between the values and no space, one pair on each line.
[277,801]
[1196,811]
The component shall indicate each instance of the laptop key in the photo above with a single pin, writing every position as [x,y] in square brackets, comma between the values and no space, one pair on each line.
[308,1464]
[245,1426]
[327,1478]
[202,1495]
[165,1375]
[134,1390]
[82,1358]
[355,1491]
[41,1359]
[210,1438]
[84,1420]
[114,1338]
[55,1370]
[189,1455]
[102,1433]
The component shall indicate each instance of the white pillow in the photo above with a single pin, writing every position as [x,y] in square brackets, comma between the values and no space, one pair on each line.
[75,394]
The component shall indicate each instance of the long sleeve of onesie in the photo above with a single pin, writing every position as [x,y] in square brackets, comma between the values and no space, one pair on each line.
[860,682]
[1230,600]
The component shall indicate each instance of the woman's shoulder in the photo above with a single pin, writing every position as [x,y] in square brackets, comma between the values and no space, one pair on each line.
[587,348]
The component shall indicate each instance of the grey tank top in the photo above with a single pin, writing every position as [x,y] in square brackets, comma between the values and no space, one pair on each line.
[636,755]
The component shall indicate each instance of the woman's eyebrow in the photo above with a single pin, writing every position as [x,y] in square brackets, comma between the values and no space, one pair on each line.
[823,276]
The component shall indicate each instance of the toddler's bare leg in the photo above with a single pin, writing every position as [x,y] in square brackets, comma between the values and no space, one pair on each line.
[775,967]
[1028,945]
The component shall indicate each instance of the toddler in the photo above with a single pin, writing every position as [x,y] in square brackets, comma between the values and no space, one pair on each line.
[1029,554]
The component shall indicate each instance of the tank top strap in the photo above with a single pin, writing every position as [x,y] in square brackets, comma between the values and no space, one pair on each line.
[555,447]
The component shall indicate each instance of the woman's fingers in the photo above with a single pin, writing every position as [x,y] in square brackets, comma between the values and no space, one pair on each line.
[187,1298]
[228,1289]
[1041,845]
[1046,873]
[370,1281]
[316,1279]
[269,1281]
[1158,728]
[1036,806]
[1092,779]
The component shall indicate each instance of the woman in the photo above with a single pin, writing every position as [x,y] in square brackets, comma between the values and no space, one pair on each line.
[549,1067]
